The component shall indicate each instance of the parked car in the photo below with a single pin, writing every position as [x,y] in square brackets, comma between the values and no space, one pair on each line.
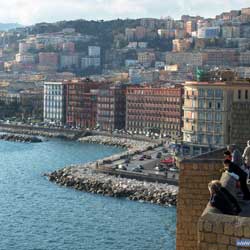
[174,169]
[140,167]
[159,168]
[148,157]
[122,167]
[164,150]
[159,155]
[136,169]
[127,160]
[141,158]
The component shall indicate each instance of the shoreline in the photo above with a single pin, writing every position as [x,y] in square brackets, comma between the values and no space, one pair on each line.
[90,178]
[85,179]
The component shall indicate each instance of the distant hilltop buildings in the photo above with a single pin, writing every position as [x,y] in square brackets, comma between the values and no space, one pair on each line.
[185,80]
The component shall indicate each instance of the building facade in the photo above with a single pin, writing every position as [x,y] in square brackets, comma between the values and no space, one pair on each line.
[81,103]
[48,60]
[94,51]
[215,114]
[54,102]
[184,58]
[90,62]
[111,108]
[146,58]
[154,110]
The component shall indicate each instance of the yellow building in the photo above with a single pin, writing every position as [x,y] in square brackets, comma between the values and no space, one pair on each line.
[216,114]
[146,58]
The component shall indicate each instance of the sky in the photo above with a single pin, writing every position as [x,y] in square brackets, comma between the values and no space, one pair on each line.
[29,12]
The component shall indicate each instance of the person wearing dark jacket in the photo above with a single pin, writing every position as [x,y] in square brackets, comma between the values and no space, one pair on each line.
[233,168]
[227,155]
[222,199]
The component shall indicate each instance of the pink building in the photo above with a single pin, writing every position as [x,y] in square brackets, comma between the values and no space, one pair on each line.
[48,60]
[68,47]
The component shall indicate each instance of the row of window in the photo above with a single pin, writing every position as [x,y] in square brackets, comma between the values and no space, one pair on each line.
[132,124]
[210,116]
[52,116]
[154,100]
[209,139]
[210,92]
[53,110]
[53,92]
[210,127]
[243,94]
[210,104]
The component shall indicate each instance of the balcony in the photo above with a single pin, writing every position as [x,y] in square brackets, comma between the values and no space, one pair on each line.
[191,120]
[192,97]
[187,108]
[188,131]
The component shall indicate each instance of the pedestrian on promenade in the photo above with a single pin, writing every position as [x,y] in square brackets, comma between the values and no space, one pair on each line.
[246,154]
[233,168]
[222,199]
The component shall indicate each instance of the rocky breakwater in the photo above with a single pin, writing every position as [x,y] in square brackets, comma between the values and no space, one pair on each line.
[118,142]
[20,138]
[85,179]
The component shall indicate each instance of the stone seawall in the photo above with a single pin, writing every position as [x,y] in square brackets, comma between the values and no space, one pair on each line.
[38,131]
[20,138]
[85,179]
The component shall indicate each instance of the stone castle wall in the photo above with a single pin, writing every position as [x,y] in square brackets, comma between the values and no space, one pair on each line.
[220,231]
[200,226]
[195,174]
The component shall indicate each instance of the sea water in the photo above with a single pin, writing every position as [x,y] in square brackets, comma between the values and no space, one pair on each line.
[36,214]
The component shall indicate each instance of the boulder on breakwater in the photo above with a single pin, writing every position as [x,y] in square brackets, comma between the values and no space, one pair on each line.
[20,138]
[84,179]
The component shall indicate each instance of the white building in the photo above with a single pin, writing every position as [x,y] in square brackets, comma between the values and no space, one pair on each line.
[208,32]
[54,102]
[135,75]
[90,62]
[131,62]
[160,65]
[94,51]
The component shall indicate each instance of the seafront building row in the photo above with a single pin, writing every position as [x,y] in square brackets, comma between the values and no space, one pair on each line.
[88,104]
[201,114]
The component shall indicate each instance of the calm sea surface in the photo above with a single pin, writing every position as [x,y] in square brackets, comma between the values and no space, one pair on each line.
[36,214]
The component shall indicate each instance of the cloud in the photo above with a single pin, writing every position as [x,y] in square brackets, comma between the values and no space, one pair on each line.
[33,11]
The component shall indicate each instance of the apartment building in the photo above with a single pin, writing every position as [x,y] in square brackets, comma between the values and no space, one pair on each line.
[156,110]
[146,58]
[216,114]
[111,108]
[54,102]
[81,102]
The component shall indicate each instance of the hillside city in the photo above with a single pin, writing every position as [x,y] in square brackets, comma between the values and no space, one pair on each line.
[185,80]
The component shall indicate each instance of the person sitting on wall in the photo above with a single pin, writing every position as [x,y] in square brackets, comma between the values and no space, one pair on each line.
[222,199]
[236,155]
[233,168]
[246,154]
